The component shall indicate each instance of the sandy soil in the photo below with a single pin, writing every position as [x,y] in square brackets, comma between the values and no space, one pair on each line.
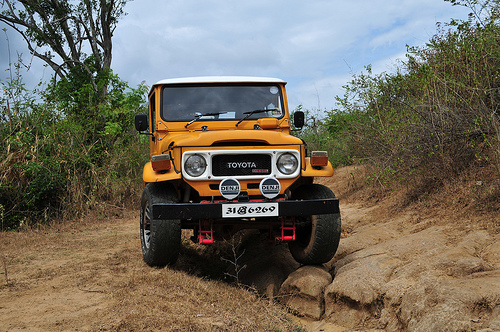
[89,276]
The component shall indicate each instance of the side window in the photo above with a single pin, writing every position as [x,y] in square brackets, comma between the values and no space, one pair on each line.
[152,109]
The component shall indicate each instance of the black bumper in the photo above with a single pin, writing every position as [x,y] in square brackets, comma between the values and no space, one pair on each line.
[289,208]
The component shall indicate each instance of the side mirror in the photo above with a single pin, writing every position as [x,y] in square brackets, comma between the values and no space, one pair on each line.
[141,122]
[298,119]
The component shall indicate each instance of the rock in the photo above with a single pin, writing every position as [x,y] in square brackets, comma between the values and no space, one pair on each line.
[361,280]
[303,291]
[410,273]
[452,304]
[457,262]
[355,295]
[394,275]
[492,254]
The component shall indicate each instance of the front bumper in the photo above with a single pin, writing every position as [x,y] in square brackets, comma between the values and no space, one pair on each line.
[286,208]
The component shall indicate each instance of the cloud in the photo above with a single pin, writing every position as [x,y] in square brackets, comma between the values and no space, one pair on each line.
[315,45]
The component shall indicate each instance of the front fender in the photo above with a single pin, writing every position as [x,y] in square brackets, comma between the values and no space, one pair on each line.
[149,175]
[310,171]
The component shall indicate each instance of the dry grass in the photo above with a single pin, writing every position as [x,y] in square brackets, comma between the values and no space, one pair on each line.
[473,197]
[90,276]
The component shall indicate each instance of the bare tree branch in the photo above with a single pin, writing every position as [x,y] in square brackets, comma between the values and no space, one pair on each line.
[64,27]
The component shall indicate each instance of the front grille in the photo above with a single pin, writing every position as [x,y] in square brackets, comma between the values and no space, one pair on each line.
[241,165]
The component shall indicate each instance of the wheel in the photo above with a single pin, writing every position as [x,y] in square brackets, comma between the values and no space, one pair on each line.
[317,236]
[160,239]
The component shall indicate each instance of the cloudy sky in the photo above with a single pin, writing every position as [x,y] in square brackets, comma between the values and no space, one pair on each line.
[314,45]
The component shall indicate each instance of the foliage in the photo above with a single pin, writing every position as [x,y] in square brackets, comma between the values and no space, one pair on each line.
[435,117]
[320,136]
[70,147]
[482,11]
[70,152]
[66,28]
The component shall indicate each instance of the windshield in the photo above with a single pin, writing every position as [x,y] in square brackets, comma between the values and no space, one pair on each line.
[229,102]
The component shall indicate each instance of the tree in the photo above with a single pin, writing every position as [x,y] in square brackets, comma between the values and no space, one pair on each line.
[68,29]
[482,11]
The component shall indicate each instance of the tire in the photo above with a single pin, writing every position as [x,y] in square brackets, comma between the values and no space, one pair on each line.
[160,239]
[317,236]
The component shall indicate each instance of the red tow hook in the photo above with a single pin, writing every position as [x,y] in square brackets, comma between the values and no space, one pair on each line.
[206,232]
[287,229]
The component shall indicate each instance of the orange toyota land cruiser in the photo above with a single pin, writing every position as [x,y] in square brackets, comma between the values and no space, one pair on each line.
[223,160]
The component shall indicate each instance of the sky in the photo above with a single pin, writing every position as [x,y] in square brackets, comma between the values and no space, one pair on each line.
[314,45]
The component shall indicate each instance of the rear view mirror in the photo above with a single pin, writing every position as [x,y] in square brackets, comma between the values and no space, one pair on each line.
[141,122]
[298,119]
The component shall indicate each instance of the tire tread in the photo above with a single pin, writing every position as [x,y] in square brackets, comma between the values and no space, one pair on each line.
[325,237]
[165,234]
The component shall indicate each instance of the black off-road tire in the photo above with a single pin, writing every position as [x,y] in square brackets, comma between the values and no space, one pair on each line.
[160,239]
[317,237]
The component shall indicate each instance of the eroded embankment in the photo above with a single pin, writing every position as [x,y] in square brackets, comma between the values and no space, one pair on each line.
[415,270]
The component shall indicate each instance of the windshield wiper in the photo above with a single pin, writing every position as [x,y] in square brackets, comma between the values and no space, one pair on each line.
[249,114]
[199,116]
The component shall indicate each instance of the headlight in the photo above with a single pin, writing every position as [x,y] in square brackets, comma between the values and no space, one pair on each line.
[195,165]
[287,163]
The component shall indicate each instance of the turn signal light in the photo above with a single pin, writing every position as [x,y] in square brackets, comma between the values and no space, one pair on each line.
[160,162]
[319,158]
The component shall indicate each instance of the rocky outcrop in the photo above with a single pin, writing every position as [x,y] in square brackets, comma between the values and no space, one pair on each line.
[397,275]
[418,282]
[403,274]
[303,291]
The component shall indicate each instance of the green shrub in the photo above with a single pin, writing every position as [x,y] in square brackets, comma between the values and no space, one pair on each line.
[326,134]
[71,152]
[433,119]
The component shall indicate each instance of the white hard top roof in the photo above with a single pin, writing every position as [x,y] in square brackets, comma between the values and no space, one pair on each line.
[220,79]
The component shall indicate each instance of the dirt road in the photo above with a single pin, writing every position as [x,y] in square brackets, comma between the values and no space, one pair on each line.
[411,270]
[91,277]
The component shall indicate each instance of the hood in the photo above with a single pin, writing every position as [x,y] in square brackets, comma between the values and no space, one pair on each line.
[209,138]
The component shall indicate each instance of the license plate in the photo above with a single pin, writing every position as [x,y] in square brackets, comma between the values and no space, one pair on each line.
[244,210]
